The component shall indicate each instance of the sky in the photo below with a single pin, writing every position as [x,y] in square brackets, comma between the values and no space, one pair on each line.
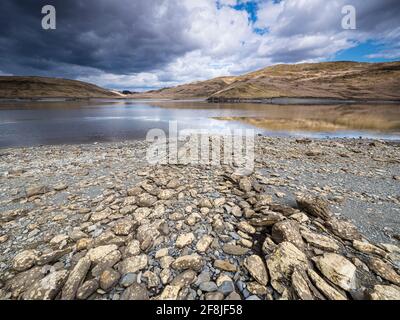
[147,44]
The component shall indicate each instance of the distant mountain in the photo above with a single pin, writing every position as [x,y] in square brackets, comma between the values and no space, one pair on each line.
[333,80]
[40,87]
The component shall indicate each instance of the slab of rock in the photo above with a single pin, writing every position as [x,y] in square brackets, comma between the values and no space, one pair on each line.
[193,262]
[170,293]
[343,229]
[314,206]
[135,292]
[287,231]
[204,243]
[235,250]
[266,220]
[133,248]
[75,279]
[384,270]
[255,265]
[381,292]
[300,286]
[225,265]
[337,269]
[245,184]
[368,248]
[36,190]
[133,264]
[101,253]
[24,260]
[320,241]
[282,262]
[184,240]
[146,200]
[184,279]
[246,227]
[326,289]
[87,289]
[108,279]
[48,287]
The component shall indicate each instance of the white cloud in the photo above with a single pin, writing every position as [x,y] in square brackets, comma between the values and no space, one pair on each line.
[298,30]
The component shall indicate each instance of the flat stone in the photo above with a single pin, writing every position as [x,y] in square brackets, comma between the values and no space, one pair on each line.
[24,260]
[99,254]
[193,262]
[287,231]
[282,262]
[75,279]
[133,248]
[204,243]
[368,248]
[108,279]
[343,229]
[255,265]
[225,265]
[48,287]
[327,290]
[300,286]
[208,286]
[235,250]
[337,269]
[184,240]
[135,292]
[384,270]
[381,292]
[320,241]
[133,264]
[87,289]
[246,227]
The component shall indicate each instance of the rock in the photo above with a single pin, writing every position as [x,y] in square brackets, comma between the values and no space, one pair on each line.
[87,289]
[204,243]
[133,264]
[48,287]
[165,262]
[83,244]
[166,194]
[246,227]
[101,215]
[255,265]
[214,296]
[59,241]
[165,276]
[208,286]
[287,231]
[205,203]
[300,285]
[36,191]
[135,292]
[184,279]
[282,262]
[108,279]
[24,260]
[101,253]
[368,248]
[319,241]
[51,256]
[24,280]
[343,229]
[316,207]
[170,293]
[128,279]
[337,269]
[224,265]
[384,270]
[226,287]
[3,238]
[76,235]
[327,290]
[234,296]
[266,220]
[146,200]
[381,292]
[133,248]
[245,184]
[123,228]
[235,250]
[60,187]
[75,279]
[193,262]
[152,279]
[256,288]
[161,253]
[184,240]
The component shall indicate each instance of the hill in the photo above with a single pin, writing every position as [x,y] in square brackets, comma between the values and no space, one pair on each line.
[41,87]
[332,80]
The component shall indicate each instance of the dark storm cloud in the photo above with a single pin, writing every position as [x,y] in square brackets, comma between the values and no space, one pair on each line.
[116,36]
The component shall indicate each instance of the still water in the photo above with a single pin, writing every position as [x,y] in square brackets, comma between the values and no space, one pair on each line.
[60,122]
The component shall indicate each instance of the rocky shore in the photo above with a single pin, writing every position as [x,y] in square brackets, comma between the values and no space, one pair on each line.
[317,219]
